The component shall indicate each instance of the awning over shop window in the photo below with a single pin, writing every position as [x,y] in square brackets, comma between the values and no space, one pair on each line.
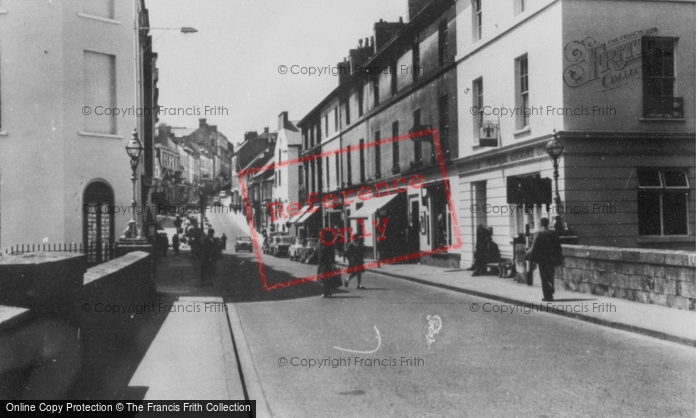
[371,206]
[295,218]
[305,217]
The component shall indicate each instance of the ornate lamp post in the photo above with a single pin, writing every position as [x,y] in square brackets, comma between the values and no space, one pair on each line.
[133,150]
[555,149]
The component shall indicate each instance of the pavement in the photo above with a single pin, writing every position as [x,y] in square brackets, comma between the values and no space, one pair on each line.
[655,321]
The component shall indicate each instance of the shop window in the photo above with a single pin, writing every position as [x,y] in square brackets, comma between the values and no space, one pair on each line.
[658,79]
[662,201]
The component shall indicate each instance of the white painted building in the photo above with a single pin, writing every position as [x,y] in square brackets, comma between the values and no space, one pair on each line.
[616,80]
[63,67]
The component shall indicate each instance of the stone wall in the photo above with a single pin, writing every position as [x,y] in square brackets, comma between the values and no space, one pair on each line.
[661,277]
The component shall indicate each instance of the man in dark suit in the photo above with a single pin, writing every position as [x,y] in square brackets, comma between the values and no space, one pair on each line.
[546,252]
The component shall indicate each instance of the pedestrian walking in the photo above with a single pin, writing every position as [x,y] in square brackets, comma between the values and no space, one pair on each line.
[178,224]
[546,252]
[208,256]
[223,241]
[355,251]
[326,262]
[176,244]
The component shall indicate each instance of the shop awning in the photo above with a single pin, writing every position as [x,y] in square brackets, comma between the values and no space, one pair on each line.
[371,206]
[296,217]
[305,217]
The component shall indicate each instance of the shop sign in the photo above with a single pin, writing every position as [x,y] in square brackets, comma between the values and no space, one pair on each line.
[612,63]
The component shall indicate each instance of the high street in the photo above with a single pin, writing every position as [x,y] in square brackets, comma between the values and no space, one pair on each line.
[323,357]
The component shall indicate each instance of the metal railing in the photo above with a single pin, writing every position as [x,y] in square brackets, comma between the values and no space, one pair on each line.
[93,256]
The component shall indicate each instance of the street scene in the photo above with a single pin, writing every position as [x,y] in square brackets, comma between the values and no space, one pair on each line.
[418,208]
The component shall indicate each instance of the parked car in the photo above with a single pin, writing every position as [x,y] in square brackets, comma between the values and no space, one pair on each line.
[267,248]
[216,201]
[309,253]
[295,248]
[243,242]
[222,194]
[280,245]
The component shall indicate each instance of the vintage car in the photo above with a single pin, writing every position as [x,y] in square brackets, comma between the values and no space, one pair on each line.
[243,242]
[295,248]
[309,253]
[280,245]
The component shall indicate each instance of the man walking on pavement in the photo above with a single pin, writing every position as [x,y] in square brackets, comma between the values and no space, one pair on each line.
[355,251]
[208,255]
[546,252]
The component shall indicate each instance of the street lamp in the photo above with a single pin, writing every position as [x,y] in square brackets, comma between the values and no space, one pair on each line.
[555,149]
[133,150]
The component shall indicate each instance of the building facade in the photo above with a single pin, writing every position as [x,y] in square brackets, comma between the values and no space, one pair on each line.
[61,150]
[614,83]
[362,141]
[497,81]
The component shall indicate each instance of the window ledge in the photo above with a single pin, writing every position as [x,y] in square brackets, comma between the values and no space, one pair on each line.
[101,19]
[662,119]
[652,239]
[521,132]
[100,135]
[3,133]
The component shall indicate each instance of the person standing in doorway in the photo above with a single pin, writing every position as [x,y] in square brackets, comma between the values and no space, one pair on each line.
[546,252]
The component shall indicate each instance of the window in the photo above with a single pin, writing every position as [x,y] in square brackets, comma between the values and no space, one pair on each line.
[375,89]
[360,101]
[313,130]
[442,42]
[444,115]
[478,102]
[519,6]
[395,147]
[523,93]
[659,81]
[416,144]
[328,174]
[347,111]
[362,160]
[337,170]
[416,61]
[101,8]
[335,117]
[349,158]
[377,155]
[662,201]
[100,86]
[326,119]
[394,78]
[476,19]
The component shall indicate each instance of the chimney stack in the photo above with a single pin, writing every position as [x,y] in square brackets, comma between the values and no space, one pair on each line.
[202,122]
[282,120]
